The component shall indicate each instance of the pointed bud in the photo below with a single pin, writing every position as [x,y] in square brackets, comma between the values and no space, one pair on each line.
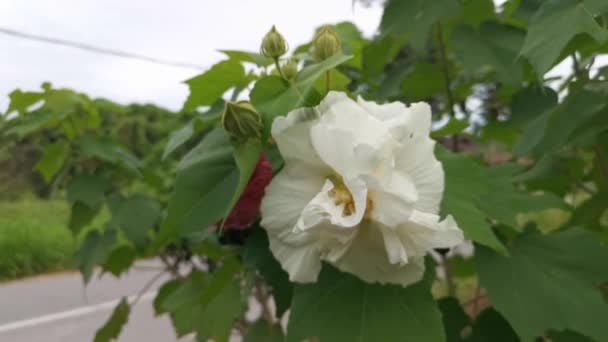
[290,69]
[326,44]
[242,121]
[273,44]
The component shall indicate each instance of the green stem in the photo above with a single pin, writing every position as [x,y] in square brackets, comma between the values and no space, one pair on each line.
[447,81]
[278,66]
[327,81]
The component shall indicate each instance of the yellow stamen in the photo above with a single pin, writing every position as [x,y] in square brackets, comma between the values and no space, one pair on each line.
[342,196]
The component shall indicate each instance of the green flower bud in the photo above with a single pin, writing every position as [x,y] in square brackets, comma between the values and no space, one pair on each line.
[290,69]
[326,44]
[242,121]
[273,44]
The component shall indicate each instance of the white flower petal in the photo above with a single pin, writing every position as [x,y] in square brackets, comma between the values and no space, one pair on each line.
[403,122]
[323,207]
[367,259]
[301,262]
[292,135]
[426,230]
[336,143]
[287,195]
[417,159]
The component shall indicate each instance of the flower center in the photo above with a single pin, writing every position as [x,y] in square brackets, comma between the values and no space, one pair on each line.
[342,195]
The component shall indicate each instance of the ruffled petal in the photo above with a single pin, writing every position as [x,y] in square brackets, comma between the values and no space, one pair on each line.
[287,195]
[352,142]
[301,262]
[403,122]
[425,230]
[323,207]
[416,158]
[292,135]
[367,259]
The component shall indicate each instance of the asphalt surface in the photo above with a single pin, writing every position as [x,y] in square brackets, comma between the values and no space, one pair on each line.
[58,308]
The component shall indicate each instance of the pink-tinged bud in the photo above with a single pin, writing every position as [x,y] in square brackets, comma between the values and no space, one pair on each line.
[247,208]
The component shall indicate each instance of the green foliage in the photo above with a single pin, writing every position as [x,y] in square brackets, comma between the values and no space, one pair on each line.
[541,48]
[208,86]
[359,311]
[207,178]
[257,256]
[548,282]
[111,330]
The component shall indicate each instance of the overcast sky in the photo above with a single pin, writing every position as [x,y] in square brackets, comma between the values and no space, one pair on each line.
[185,30]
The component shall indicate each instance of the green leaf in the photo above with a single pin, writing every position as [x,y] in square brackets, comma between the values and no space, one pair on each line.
[22,100]
[455,320]
[416,17]
[207,87]
[453,126]
[379,52]
[108,150]
[530,102]
[488,326]
[597,6]
[182,135]
[263,331]
[135,215]
[511,202]
[120,260]
[53,158]
[552,130]
[111,330]
[257,256]
[94,250]
[464,188]
[494,47]
[340,307]
[203,305]
[90,189]
[423,81]
[273,96]
[250,57]
[165,291]
[207,178]
[475,12]
[337,81]
[491,326]
[548,35]
[548,282]
[81,215]
[31,123]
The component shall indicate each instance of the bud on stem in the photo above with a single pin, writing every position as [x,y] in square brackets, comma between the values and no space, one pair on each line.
[242,122]
[326,44]
[273,44]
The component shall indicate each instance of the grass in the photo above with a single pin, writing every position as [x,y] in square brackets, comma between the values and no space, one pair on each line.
[34,238]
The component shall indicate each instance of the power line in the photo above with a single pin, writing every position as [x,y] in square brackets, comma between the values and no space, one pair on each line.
[97,49]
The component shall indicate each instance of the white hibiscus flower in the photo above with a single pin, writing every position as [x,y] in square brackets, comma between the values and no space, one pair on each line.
[360,189]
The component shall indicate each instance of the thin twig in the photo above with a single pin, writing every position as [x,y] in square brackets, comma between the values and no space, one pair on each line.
[447,81]
[278,66]
[602,163]
[147,287]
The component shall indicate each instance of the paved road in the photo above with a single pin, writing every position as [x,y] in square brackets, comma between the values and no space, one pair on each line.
[57,308]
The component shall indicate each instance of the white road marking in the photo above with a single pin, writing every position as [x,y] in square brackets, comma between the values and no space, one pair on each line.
[81,311]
